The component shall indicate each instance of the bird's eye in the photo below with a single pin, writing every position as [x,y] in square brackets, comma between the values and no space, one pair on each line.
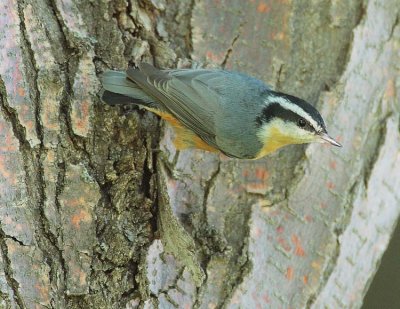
[301,123]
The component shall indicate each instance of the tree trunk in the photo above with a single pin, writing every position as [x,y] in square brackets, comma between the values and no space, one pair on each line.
[98,209]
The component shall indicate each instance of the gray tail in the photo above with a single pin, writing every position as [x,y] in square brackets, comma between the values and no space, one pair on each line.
[118,89]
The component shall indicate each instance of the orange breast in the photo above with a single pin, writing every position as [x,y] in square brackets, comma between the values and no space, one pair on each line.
[185,138]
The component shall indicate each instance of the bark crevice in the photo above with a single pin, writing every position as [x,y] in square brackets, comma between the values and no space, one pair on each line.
[9,271]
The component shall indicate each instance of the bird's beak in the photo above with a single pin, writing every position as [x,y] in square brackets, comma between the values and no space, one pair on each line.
[326,138]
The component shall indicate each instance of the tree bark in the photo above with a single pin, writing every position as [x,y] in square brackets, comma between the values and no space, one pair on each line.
[98,209]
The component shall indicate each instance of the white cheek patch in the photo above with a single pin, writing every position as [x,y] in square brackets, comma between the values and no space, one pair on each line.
[297,110]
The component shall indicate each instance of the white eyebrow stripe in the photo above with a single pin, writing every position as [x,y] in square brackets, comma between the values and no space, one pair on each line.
[295,109]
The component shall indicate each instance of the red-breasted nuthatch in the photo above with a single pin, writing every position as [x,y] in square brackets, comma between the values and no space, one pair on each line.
[218,110]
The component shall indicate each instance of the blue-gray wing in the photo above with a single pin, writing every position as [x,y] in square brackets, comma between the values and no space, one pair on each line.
[179,93]
[203,100]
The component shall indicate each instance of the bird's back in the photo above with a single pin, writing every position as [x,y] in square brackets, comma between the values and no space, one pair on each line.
[211,103]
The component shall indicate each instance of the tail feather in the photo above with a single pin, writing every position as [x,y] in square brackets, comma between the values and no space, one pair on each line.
[120,90]
[113,98]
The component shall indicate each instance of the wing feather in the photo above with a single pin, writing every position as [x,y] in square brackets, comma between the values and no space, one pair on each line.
[117,82]
[179,97]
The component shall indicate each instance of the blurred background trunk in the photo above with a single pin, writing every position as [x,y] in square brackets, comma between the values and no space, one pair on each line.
[98,210]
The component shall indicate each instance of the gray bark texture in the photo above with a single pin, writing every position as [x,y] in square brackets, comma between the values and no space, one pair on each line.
[98,209]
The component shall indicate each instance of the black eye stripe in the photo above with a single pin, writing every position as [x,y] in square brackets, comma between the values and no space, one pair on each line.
[275,110]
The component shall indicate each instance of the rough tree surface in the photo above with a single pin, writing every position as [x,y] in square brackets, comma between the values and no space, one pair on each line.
[97,208]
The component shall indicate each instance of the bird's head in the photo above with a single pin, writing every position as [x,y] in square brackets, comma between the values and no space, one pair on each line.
[286,119]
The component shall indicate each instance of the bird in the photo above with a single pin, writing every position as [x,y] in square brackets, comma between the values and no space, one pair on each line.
[218,110]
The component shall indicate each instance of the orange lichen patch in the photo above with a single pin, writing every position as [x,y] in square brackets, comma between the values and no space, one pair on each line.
[315,265]
[332,99]
[265,298]
[390,90]
[308,218]
[7,220]
[285,245]
[235,298]
[29,124]
[262,173]
[81,124]
[25,109]
[11,246]
[4,171]
[75,202]
[214,57]
[339,139]
[289,273]
[279,36]
[54,125]
[82,216]
[16,77]
[305,279]
[21,91]
[256,232]
[212,305]
[81,116]
[9,144]
[332,164]
[43,291]
[78,273]
[82,278]
[263,7]
[280,229]
[330,185]
[299,251]
[50,114]
[50,156]
[9,141]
